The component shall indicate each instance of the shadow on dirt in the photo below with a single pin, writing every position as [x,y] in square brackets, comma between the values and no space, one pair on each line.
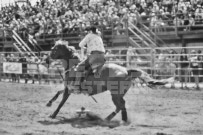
[82,122]
[155,126]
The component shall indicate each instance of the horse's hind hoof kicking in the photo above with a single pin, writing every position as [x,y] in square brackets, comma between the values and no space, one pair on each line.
[52,116]
[108,118]
[49,104]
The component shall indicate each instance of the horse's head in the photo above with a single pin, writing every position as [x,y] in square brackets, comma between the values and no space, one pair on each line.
[61,50]
[66,53]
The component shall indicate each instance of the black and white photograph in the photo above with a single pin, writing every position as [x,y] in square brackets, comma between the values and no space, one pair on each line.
[101,67]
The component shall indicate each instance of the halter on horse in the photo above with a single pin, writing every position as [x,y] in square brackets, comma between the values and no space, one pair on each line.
[115,78]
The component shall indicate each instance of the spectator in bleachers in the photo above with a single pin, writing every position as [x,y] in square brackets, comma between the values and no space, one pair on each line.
[23,60]
[2,59]
[8,58]
[131,58]
[177,21]
[172,56]
[109,56]
[186,23]
[153,61]
[119,30]
[184,68]
[162,56]
[195,67]
[13,58]
[191,20]
[200,60]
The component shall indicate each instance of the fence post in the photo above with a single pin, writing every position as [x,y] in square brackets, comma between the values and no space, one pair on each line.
[152,62]
[1,66]
[190,71]
[126,29]
[39,75]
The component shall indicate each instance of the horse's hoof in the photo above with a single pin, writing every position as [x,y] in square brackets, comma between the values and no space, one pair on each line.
[125,123]
[172,87]
[107,120]
[52,116]
[49,104]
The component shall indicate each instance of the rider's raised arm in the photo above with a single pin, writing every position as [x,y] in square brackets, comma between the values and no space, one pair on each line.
[82,45]
[84,42]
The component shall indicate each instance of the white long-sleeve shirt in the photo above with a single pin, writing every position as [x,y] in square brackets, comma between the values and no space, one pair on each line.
[194,61]
[94,43]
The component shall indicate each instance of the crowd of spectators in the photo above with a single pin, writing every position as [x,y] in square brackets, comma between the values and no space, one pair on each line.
[33,67]
[191,64]
[62,16]
[26,58]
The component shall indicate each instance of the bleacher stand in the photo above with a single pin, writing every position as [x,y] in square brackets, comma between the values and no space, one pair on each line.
[59,16]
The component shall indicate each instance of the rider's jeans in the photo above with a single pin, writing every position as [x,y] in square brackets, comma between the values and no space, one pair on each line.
[95,57]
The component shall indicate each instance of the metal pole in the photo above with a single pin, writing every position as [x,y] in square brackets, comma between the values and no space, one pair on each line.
[176,28]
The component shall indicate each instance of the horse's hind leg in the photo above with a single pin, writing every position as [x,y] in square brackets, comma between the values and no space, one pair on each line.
[119,102]
[123,110]
[112,115]
[54,98]
[66,94]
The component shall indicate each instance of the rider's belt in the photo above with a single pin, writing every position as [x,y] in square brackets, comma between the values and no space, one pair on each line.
[97,52]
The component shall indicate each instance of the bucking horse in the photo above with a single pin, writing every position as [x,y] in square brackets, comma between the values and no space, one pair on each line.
[112,77]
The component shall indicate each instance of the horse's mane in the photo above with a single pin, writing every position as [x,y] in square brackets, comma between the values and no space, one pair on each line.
[71,49]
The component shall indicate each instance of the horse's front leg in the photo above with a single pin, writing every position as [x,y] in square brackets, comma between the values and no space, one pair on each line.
[66,94]
[55,97]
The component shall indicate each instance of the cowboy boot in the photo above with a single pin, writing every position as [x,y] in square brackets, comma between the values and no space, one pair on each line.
[86,74]
[97,72]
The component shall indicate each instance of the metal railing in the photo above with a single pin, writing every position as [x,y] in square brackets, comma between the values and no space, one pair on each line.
[153,65]
[146,38]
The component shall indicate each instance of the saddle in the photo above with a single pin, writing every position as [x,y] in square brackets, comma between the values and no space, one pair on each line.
[95,65]
[93,70]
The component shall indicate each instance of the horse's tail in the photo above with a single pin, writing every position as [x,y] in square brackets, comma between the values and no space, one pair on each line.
[162,81]
[133,73]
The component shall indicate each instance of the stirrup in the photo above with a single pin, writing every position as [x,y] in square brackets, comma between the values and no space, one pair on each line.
[94,70]
[97,74]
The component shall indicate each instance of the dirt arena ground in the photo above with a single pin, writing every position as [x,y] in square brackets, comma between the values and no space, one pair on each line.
[151,112]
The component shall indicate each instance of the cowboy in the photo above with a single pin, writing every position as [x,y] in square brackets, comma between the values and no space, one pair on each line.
[95,55]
